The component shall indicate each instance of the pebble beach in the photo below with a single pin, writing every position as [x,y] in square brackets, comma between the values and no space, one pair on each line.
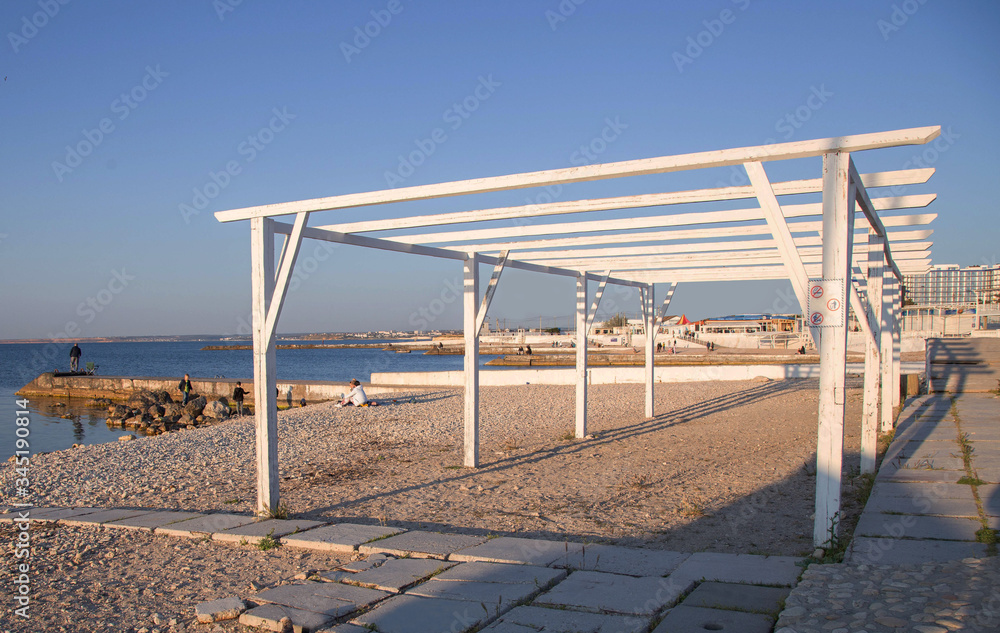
[724,466]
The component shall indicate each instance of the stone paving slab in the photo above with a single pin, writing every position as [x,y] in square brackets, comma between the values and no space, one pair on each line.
[922,490]
[508,549]
[749,569]
[990,496]
[319,597]
[270,616]
[921,430]
[341,538]
[104,516]
[541,620]
[628,561]
[888,473]
[502,573]
[204,525]
[48,515]
[922,448]
[497,597]
[412,614]
[685,619]
[218,610]
[398,574]
[153,520]
[613,593]
[937,507]
[733,597]
[886,551]
[419,544]
[346,628]
[11,515]
[254,532]
[918,527]
[932,460]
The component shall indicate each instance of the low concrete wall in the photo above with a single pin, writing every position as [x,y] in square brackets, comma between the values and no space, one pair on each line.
[121,387]
[620,375]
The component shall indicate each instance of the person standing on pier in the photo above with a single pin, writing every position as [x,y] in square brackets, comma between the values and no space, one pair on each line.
[185,388]
[238,394]
[74,357]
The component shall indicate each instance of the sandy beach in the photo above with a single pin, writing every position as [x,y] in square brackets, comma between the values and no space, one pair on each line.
[724,466]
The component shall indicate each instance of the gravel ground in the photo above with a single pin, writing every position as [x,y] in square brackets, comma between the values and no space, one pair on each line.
[930,598]
[93,579]
[725,466]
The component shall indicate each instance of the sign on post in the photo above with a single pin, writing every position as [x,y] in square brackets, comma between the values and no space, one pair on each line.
[826,306]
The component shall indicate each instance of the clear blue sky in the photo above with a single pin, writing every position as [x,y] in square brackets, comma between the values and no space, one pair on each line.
[182,88]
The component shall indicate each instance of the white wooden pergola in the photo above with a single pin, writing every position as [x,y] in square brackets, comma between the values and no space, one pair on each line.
[842,240]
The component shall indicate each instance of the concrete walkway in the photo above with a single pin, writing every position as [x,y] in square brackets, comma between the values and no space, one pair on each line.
[923,557]
[429,582]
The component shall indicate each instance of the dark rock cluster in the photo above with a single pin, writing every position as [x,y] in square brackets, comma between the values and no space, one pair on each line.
[155,412]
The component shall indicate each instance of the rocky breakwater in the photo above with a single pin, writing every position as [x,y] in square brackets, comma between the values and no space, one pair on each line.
[155,412]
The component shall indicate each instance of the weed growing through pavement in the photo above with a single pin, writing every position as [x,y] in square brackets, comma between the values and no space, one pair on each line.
[281,512]
[268,542]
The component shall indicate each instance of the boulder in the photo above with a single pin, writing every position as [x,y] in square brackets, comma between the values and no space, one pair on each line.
[195,406]
[155,410]
[117,411]
[216,409]
[185,420]
[172,409]
[141,399]
[162,397]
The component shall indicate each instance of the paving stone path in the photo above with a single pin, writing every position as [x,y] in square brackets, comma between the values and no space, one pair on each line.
[916,563]
[429,582]
[920,561]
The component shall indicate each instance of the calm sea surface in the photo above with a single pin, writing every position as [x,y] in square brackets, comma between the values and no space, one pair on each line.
[20,364]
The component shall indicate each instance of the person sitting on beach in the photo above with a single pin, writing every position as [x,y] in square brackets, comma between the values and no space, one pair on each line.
[356,397]
[802,350]
[520,350]
[74,358]
[528,350]
[238,394]
[185,388]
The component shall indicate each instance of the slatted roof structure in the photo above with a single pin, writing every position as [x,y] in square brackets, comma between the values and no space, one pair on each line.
[842,245]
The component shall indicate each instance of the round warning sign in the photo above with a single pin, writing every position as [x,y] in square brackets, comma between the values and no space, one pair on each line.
[816,291]
[816,319]
[833,305]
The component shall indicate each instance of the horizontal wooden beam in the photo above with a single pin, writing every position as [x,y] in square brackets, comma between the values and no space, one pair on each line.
[698,247]
[742,273]
[716,233]
[659,221]
[371,242]
[794,187]
[691,260]
[601,171]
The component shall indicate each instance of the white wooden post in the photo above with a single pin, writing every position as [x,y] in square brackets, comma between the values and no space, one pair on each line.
[581,356]
[838,229]
[885,334]
[897,326]
[264,365]
[649,314]
[470,303]
[870,421]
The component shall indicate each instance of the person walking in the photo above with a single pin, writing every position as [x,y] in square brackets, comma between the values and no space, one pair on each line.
[238,394]
[74,357]
[185,388]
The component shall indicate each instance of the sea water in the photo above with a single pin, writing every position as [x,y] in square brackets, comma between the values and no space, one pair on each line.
[50,431]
